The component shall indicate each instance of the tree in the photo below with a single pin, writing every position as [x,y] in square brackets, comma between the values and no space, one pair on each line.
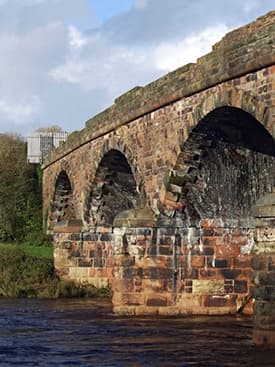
[49,129]
[20,190]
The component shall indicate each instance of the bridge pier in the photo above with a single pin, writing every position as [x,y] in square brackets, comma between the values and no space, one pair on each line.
[84,257]
[264,273]
[178,270]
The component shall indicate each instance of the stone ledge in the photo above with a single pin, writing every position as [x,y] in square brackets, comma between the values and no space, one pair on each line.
[68,226]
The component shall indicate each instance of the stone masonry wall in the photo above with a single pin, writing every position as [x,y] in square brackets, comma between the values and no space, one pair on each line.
[182,270]
[186,258]
[86,258]
[162,270]
[151,145]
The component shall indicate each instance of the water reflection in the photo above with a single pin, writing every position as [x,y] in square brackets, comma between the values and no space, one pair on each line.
[85,333]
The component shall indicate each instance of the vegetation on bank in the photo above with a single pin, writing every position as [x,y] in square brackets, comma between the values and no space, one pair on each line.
[28,271]
[20,191]
[26,253]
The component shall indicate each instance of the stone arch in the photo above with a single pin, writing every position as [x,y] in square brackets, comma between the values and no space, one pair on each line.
[229,136]
[218,159]
[238,98]
[113,188]
[62,207]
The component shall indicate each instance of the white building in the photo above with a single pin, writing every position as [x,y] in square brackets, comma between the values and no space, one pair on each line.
[40,144]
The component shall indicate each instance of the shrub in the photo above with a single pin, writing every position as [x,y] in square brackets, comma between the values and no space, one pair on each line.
[25,275]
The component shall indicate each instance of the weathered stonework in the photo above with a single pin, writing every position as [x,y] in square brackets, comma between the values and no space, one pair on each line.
[264,272]
[157,195]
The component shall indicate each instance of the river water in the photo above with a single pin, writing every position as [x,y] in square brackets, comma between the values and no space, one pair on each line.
[83,332]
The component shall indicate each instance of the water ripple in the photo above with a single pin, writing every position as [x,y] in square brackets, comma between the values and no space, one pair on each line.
[80,333]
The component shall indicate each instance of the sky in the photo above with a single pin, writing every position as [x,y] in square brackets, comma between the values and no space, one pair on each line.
[64,61]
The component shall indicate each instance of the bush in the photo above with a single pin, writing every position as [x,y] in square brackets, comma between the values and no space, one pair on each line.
[39,238]
[24,275]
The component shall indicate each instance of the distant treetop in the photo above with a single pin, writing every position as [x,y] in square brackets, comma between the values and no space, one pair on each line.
[49,129]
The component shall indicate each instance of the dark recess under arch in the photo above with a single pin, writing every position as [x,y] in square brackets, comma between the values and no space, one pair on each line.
[63,208]
[112,191]
[226,164]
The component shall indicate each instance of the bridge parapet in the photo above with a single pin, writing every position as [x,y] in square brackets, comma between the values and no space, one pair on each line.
[240,52]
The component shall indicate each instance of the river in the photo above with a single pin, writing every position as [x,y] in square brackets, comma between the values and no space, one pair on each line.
[84,332]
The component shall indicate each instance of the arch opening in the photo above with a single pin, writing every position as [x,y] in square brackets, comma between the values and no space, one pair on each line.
[225,166]
[63,208]
[113,190]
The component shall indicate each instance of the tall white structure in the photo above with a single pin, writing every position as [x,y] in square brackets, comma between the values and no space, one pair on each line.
[40,144]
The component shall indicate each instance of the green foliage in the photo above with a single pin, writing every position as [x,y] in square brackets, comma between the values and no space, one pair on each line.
[20,191]
[38,251]
[38,238]
[28,271]
[69,289]
[22,275]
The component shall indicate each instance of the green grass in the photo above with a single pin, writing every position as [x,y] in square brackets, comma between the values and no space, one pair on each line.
[31,250]
[27,271]
[38,251]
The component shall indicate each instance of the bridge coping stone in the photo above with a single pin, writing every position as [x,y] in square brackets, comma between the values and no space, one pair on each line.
[241,51]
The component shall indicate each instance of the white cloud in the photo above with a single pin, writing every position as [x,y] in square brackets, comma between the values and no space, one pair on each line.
[110,66]
[20,112]
[58,66]
[76,38]
[169,56]
[141,4]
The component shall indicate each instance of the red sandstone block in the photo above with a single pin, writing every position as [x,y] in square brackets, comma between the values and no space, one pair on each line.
[222,240]
[242,261]
[132,299]
[156,302]
[227,251]
[105,273]
[197,261]
[239,240]
[219,300]
[208,274]
[109,262]
[246,274]
[237,232]
[207,223]
[260,262]
[104,229]
[209,241]
[182,261]
[92,272]
[240,286]
[209,251]
[264,338]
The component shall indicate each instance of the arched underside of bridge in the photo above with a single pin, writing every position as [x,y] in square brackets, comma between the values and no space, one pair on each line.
[224,167]
[62,209]
[112,191]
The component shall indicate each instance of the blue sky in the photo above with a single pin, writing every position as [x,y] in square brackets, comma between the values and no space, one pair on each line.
[63,61]
[104,9]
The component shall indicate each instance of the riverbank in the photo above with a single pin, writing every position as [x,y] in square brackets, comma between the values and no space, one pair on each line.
[27,271]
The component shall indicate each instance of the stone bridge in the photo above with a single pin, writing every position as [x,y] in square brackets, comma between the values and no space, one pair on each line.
[168,196]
